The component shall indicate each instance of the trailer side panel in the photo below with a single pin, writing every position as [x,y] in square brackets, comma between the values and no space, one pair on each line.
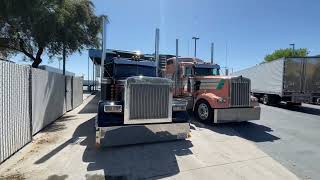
[313,75]
[265,78]
[294,75]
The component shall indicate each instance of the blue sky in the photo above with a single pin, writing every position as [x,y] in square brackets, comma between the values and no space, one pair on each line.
[251,28]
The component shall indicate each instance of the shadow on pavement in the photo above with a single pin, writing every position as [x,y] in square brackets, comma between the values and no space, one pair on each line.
[134,161]
[302,109]
[254,132]
[125,162]
[305,108]
[92,106]
[247,130]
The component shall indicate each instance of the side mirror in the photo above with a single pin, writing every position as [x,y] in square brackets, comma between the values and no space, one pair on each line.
[197,85]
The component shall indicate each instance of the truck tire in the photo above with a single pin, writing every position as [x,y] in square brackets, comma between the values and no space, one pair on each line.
[203,111]
[266,99]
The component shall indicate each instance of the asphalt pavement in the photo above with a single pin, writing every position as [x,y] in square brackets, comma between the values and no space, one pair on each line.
[289,135]
[66,150]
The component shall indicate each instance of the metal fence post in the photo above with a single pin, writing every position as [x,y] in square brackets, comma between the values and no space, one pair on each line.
[30,102]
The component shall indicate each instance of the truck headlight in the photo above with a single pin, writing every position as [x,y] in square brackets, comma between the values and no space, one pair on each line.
[221,100]
[254,99]
[113,108]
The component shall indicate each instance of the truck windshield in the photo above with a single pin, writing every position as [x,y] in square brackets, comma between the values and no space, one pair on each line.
[206,72]
[124,71]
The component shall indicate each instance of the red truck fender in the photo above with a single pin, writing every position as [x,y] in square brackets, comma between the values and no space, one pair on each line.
[211,98]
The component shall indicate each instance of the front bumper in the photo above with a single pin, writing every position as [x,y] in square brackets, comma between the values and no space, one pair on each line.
[142,133]
[301,99]
[236,114]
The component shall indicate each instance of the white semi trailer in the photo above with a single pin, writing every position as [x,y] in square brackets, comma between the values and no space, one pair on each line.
[293,80]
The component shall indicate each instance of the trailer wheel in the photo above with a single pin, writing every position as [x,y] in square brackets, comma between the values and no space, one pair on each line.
[203,111]
[265,99]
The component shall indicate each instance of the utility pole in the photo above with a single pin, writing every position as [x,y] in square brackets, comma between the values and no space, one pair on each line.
[103,57]
[195,45]
[63,59]
[293,49]
[212,52]
[88,75]
[227,70]
[93,78]
[176,66]
[156,53]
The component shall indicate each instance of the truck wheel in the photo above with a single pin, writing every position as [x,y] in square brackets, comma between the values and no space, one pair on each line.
[265,100]
[203,111]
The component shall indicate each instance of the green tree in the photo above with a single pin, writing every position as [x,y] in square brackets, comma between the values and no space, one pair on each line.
[57,27]
[288,52]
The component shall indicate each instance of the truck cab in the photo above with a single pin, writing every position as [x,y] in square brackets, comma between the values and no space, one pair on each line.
[136,106]
[212,97]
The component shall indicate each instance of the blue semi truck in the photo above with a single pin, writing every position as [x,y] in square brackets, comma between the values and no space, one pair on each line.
[136,105]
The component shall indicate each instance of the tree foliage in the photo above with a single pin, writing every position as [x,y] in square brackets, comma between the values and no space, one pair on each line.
[288,52]
[36,26]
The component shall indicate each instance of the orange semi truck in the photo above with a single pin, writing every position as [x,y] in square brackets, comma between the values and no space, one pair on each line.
[212,97]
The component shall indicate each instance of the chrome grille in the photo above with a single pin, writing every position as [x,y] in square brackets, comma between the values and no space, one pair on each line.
[148,101]
[240,92]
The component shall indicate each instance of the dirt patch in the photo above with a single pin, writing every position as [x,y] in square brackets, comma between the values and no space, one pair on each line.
[17,176]
[43,141]
[55,127]
[56,177]
[47,139]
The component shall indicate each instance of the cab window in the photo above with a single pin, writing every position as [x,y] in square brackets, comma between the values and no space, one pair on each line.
[187,71]
[206,72]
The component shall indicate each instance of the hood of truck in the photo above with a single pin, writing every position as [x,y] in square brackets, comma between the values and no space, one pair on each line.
[233,90]
[211,83]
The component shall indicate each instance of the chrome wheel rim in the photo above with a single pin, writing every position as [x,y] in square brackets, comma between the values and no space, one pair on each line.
[265,100]
[203,111]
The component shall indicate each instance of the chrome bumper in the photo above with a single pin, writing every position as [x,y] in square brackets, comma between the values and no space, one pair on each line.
[138,134]
[301,99]
[236,114]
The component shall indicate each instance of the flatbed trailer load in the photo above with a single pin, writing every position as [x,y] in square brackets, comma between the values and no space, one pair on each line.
[293,80]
